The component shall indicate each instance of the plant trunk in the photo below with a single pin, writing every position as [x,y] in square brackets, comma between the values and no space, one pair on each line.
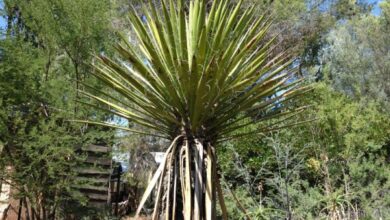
[187,182]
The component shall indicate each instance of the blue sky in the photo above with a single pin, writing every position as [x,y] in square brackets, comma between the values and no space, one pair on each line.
[2,20]
[376,10]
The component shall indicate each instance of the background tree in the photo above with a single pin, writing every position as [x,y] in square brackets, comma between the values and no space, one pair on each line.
[350,136]
[357,57]
[43,49]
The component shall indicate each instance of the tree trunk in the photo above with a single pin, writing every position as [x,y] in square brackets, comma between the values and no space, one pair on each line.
[186,182]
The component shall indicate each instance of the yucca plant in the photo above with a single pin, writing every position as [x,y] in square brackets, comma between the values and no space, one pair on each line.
[196,76]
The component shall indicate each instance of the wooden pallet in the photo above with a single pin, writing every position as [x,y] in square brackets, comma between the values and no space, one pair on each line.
[94,175]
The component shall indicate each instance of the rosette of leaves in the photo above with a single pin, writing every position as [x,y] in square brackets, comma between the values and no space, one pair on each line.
[198,74]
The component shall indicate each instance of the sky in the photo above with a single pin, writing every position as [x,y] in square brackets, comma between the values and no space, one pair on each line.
[2,20]
[376,10]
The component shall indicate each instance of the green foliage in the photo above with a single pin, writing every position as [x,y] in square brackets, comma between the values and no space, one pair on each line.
[347,131]
[39,146]
[42,52]
[336,164]
[356,60]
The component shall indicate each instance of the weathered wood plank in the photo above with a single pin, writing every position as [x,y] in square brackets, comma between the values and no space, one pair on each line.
[96,196]
[93,180]
[99,189]
[96,148]
[98,160]
[93,170]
